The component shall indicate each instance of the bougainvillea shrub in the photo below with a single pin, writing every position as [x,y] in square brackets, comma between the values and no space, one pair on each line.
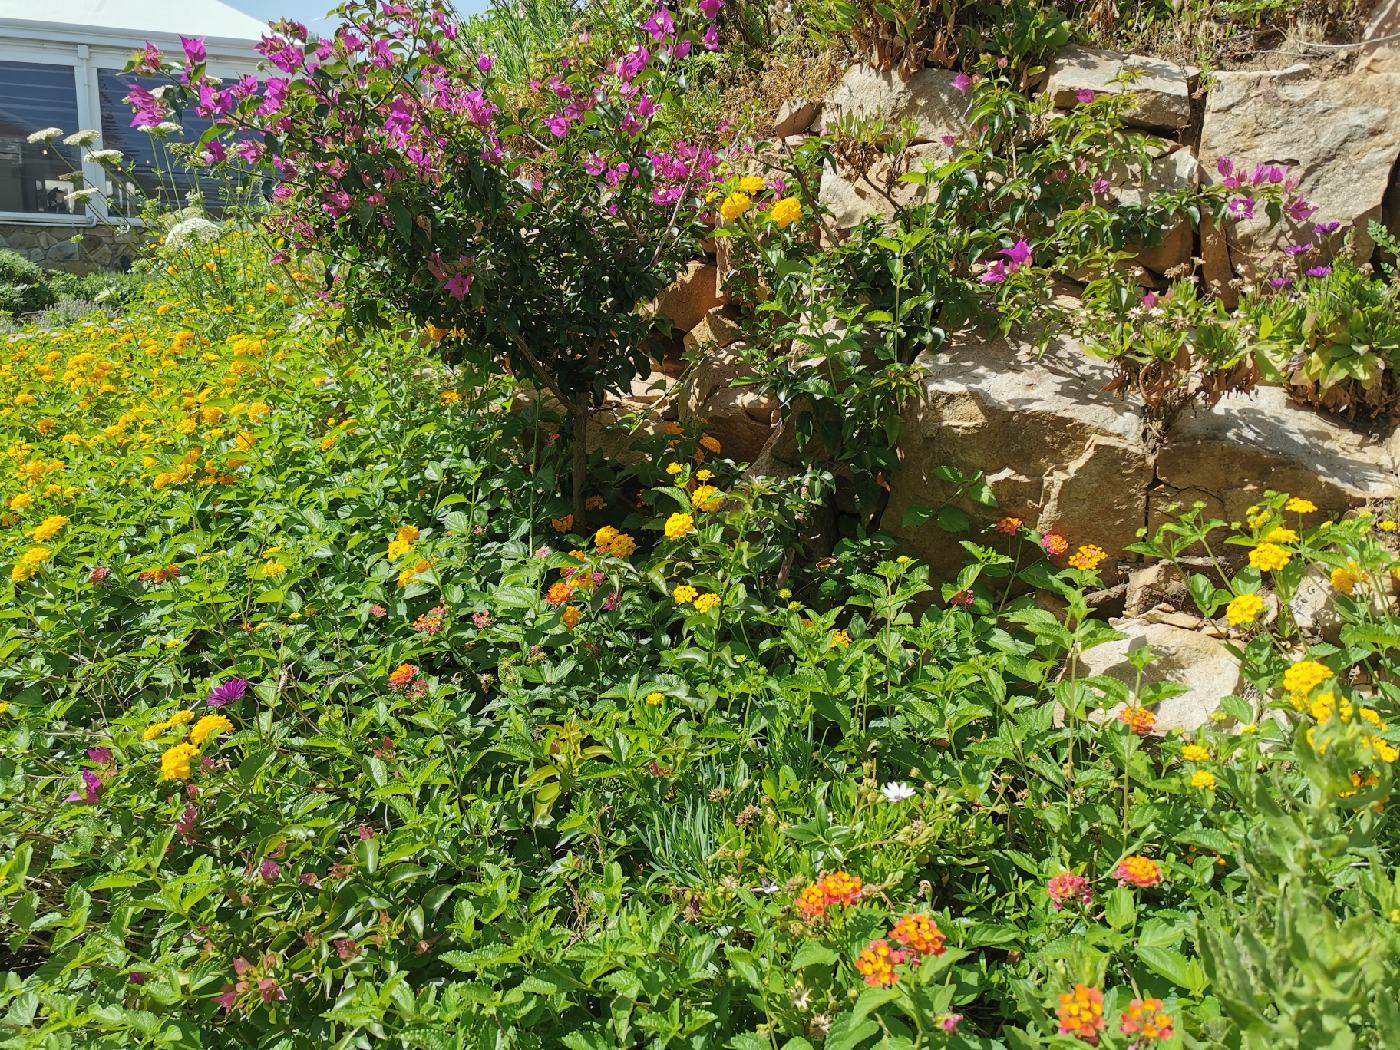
[531,223]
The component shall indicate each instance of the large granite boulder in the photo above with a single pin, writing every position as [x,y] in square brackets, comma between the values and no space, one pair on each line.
[927,99]
[1339,137]
[1161,90]
[854,197]
[1229,455]
[1202,664]
[1056,449]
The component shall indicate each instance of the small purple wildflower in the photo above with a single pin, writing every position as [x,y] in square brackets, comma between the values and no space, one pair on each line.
[1019,254]
[1299,209]
[227,693]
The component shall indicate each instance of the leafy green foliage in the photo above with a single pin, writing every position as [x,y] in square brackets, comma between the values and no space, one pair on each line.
[478,786]
[23,288]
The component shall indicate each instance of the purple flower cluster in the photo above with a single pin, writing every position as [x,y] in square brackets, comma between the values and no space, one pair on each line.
[1296,208]
[89,791]
[1017,256]
[409,134]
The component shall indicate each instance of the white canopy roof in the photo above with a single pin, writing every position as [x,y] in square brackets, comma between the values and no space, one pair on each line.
[96,19]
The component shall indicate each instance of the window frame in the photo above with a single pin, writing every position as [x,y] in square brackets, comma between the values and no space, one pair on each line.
[76,58]
[85,60]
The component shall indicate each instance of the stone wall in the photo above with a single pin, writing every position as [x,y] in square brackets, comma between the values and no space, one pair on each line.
[1056,448]
[76,249]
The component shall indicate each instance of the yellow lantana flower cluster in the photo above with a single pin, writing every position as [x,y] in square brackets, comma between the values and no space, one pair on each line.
[1269,557]
[175,762]
[611,542]
[49,528]
[419,568]
[679,526]
[1087,557]
[706,497]
[1302,678]
[1344,580]
[735,205]
[209,725]
[28,563]
[786,212]
[402,543]
[1244,609]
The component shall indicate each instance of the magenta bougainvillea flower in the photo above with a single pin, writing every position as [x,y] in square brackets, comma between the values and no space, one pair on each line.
[91,790]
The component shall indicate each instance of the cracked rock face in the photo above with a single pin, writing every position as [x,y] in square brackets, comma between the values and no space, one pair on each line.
[1228,456]
[1161,90]
[852,197]
[1340,137]
[927,99]
[1056,450]
[1061,453]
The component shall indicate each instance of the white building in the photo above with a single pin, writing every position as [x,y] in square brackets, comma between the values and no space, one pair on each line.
[60,66]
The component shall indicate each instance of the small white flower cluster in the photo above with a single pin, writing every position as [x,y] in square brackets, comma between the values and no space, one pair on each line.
[105,156]
[191,231]
[81,138]
[45,135]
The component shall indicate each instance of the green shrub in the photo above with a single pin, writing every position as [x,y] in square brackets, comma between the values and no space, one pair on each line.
[23,287]
[103,288]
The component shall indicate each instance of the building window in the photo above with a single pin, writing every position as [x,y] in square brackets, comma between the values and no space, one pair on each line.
[36,177]
[160,174]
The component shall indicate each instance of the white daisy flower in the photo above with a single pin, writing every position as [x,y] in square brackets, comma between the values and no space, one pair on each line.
[894,791]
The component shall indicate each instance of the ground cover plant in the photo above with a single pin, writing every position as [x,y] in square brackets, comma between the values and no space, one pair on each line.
[339,708]
[324,724]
